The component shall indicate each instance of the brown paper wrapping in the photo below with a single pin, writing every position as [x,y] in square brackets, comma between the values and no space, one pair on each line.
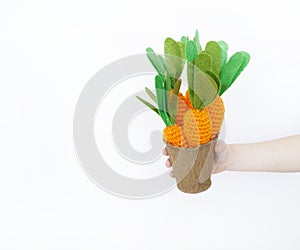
[192,166]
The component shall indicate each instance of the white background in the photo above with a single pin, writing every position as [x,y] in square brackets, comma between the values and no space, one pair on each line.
[50,49]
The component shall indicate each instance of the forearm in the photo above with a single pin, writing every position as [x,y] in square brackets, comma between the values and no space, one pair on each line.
[280,155]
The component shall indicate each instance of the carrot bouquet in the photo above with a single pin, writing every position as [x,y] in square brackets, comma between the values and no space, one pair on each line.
[193,119]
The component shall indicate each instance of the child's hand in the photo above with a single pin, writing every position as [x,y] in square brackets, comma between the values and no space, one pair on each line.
[221,158]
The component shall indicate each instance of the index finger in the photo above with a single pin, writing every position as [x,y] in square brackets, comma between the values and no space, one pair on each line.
[165,151]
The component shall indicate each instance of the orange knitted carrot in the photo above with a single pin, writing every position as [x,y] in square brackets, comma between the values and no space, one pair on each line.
[197,127]
[187,99]
[216,112]
[174,135]
[182,108]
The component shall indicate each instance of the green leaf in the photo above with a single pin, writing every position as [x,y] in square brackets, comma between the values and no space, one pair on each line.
[197,42]
[163,62]
[214,49]
[149,105]
[174,103]
[190,51]
[195,100]
[151,94]
[159,87]
[184,39]
[190,77]
[160,94]
[157,61]
[244,64]
[233,69]
[214,78]
[224,47]
[205,89]
[181,46]
[168,84]
[181,62]
[177,87]
[167,88]
[204,61]
[174,55]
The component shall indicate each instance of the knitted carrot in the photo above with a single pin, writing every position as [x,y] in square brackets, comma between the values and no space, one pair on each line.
[187,99]
[182,109]
[229,71]
[197,127]
[216,112]
[174,135]
[202,90]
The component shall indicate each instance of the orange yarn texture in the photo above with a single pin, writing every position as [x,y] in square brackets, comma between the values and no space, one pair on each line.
[187,99]
[216,112]
[174,135]
[181,109]
[197,127]
[194,126]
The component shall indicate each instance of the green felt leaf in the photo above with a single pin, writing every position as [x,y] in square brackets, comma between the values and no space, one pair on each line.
[246,59]
[194,98]
[174,102]
[224,47]
[181,46]
[190,51]
[159,87]
[174,54]
[181,62]
[205,89]
[167,95]
[230,70]
[233,69]
[184,39]
[197,42]
[215,78]
[214,49]
[149,105]
[163,62]
[190,77]
[177,87]
[160,94]
[244,64]
[168,84]
[156,61]
[204,61]
[151,94]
